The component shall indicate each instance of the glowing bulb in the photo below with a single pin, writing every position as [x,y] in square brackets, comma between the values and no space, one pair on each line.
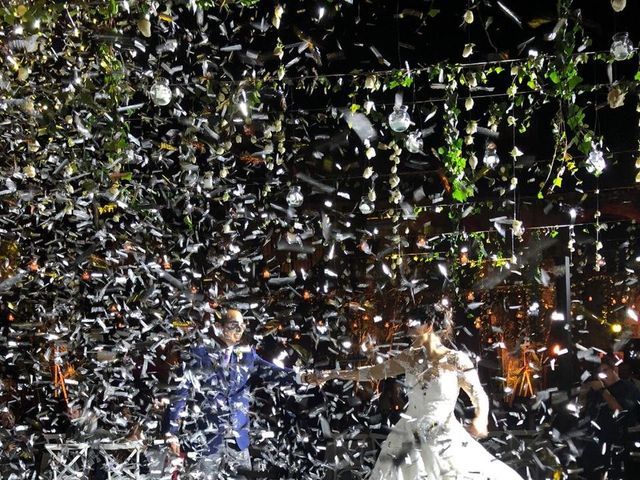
[616,328]
[573,213]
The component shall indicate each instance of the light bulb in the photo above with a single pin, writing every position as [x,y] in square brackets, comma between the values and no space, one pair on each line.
[295,197]
[491,158]
[160,93]
[595,161]
[413,142]
[366,206]
[399,119]
[621,47]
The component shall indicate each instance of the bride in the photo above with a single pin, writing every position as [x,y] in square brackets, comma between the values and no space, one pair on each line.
[428,442]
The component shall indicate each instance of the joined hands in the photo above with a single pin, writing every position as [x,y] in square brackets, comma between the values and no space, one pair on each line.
[318,377]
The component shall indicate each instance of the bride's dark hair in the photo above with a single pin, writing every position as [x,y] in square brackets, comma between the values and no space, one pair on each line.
[438,317]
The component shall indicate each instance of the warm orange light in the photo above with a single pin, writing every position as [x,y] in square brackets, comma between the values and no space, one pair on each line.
[555,349]
[306,295]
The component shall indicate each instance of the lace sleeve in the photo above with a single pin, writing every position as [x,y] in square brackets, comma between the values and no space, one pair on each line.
[470,382]
[392,367]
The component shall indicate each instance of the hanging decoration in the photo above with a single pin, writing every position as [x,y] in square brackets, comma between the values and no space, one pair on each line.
[621,46]
[295,198]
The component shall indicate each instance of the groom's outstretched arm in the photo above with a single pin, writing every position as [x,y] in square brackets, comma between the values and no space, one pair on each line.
[273,373]
[392,367]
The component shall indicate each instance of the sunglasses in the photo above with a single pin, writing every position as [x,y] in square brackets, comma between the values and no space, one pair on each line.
[234,327]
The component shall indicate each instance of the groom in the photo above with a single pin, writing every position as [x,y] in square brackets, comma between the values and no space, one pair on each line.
[212,401]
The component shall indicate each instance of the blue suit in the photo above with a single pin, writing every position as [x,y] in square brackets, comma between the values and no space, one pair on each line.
[216,389]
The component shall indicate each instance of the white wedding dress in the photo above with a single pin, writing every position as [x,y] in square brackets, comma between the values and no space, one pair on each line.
[428,443]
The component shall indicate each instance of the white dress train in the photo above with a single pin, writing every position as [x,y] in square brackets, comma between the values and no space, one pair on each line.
[428,443]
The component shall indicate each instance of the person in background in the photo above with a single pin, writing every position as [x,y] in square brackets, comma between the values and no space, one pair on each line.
[211,406]
[612,405]
[627,372]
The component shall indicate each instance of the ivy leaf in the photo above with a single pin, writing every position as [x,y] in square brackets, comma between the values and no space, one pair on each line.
[459,194]
[554,77]
[557,181]
[540,196]
[407,81]
[538,22]
[574,82]
[637,76]
[433,12]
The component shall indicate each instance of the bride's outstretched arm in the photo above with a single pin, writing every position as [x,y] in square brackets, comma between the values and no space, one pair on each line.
[390,368]
[470,383]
